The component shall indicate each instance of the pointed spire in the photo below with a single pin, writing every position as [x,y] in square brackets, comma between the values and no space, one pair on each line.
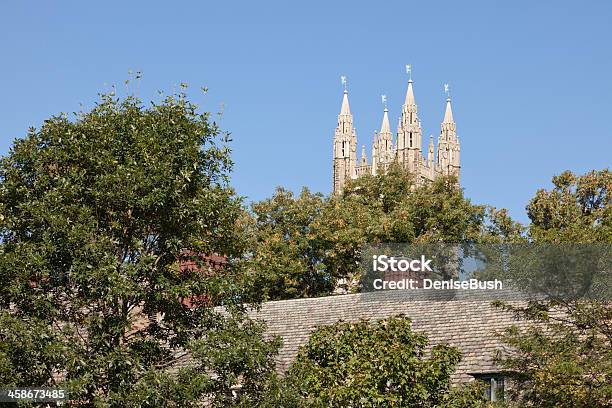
[385,127]
[364,157]
[448,115]
[345,110]
[409,94]
[430,152]
[374,155]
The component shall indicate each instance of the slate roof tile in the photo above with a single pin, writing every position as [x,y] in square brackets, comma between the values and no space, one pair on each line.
[466,320]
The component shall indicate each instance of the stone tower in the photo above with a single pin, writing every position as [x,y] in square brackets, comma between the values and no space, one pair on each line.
[345,147]
[409,134]
[449,152]
[382,147]
[406,150]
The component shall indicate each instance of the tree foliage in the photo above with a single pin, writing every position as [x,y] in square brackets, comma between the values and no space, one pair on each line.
[563,361]
[94,213]
[309,245]
[577,209]
[377,364]
[564,357]
[287,261]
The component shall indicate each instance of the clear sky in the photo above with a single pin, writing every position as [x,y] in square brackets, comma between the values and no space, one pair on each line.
[531,80]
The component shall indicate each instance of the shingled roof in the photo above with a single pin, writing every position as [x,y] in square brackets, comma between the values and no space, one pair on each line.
[465,319]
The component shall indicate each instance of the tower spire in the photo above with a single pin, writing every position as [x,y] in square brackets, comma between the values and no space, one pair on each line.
[345,144]
[410,94]
[448,114]
[384,149]
[409,130]
[385,127]
[449,150]
[430,150]
[375,159]
[345,109]
[364,156]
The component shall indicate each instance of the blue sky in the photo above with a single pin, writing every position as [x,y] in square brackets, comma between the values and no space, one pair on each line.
[531,81]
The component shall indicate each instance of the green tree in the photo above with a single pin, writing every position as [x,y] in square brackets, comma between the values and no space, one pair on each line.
[431,212]
[577,209]
[377,364]
[287,260]
[564,357]
[313,245]
[94,214]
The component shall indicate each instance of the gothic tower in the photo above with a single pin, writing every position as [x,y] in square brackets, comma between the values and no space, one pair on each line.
[409,134]
[383,145]
[386,138]
[406,151]
[345,147]
[449,152]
